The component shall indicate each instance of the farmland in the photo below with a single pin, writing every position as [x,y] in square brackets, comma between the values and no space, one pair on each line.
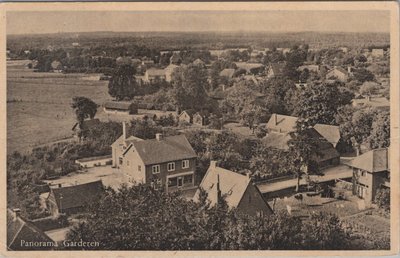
[38,105]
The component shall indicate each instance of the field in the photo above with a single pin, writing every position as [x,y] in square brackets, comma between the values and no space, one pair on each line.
[38,105]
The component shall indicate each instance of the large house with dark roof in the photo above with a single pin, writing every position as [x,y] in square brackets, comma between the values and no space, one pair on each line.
[23,235]
[281,129]
[73,199]
[236,189]
[166,162]
[371,170]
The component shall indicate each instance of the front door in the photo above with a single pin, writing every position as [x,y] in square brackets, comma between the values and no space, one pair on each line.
[180,181]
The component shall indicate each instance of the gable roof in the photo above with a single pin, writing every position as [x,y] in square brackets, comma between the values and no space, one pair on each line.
[372,161]
[190,112]
[121,105]
[20,229]
[329,132]
[198,61]
[232,185]
[277,68]
[340,69]
[77,195]
[248,66]
[155,72]
[282,123]
[277,140]
[228,72]
[170,148]
[373,102]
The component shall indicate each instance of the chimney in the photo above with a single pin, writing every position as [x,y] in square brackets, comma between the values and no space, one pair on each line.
[159,136]
[219,194]
[248,174]
[223,87]
[16,213]
[124,130]
[276,119]
[59,185]
[213,164]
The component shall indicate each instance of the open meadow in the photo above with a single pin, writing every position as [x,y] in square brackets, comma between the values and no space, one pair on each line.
[38,105]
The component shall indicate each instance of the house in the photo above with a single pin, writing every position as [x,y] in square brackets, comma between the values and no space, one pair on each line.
[56,66]
[23,235]
[280,131]
[376,102]
[187,116]
[326,156]
[86,125]
[275,70]
[120,107]
[337,73]
[166,163]
[123,60]
[228,73]
[200,118]
[73,199]
[311,68]
[281,123]
[168,72]
[249,67]
[371,171]
[147,61]
[301,85]
[330,132]
[175,59]
[377,53]
[94,161]
[237,190]
[154,74]
[120,145]
[199,62]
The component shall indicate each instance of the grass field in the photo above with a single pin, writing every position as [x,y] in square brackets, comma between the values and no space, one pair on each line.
[38,105]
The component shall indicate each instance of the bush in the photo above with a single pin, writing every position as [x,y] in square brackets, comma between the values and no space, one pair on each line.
[382,198]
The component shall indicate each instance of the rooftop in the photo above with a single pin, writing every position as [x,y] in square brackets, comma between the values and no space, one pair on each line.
[167,149]
[372,161]
[77,195]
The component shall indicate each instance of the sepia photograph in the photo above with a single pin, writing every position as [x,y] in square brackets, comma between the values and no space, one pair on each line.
[190,127]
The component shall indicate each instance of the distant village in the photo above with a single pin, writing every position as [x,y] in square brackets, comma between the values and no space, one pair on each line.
[244,95]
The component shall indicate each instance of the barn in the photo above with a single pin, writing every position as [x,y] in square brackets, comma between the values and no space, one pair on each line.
[120,107]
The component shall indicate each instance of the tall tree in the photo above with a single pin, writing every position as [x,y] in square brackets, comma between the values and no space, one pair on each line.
[84,108]
[189,87]
[123,84]
[319,103]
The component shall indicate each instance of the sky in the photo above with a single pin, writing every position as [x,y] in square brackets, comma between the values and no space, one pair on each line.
[183,21]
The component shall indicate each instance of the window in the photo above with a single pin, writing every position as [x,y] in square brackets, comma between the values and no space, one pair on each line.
[188,179]
[363,173]
[155,169]
[120,161]
[139,168]
[185,163]
[171,166]
[172,181]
